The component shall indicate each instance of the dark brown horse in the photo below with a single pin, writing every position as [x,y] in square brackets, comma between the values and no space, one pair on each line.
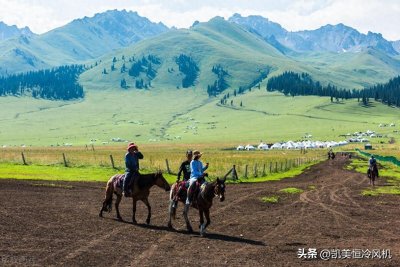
[140,191]
[372,174]
[202,201]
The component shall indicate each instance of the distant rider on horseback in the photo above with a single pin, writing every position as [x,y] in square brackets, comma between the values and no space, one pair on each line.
[373,164]
[196,172]
[132,168]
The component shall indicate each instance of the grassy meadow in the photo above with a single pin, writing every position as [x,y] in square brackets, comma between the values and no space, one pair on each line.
[187,117]
[278,164]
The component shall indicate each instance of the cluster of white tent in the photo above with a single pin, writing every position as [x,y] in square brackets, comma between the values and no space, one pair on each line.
[294,145]
[361,136]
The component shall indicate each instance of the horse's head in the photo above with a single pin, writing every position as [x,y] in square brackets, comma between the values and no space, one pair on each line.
[219,189]
[161,182]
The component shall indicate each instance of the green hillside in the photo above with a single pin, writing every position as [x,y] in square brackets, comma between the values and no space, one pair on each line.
[243,55]
[209,44]
[354,70]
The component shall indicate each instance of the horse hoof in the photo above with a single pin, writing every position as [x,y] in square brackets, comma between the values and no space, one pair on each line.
[170,226]
[147,222]
[134,222]
[101,215]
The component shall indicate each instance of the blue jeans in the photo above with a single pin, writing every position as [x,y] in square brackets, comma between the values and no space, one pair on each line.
[129,179]
[192,182]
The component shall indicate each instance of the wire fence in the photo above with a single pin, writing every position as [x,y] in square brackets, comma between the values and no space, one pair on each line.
[247,164]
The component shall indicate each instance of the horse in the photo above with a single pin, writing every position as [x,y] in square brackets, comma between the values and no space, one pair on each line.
[331,155]
[372,174]
[203,201]
[140,191]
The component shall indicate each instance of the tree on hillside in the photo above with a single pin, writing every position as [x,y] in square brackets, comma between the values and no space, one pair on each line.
[59,83]
[188,66]
[123,68]
[123,84]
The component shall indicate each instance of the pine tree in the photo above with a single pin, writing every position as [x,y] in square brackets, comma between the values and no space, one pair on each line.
[123,84]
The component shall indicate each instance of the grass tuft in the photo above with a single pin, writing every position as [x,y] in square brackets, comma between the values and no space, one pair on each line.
[291,190]
[270,199]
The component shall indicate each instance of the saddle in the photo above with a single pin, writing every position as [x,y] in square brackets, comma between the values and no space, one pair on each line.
[118,180]
[183,186]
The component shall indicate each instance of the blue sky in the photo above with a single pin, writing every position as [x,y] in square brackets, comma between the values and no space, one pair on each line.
[365,15]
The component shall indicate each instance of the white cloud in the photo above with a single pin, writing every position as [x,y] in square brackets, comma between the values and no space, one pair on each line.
[372,15]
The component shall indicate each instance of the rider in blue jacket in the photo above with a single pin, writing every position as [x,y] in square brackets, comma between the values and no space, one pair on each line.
[196,171]
[132,168]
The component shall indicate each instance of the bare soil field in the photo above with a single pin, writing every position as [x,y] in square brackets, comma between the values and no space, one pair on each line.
[57,223]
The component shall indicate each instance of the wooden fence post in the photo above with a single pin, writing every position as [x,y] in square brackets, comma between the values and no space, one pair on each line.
[270,167]
[281,165]
[263,173]
[245,170]
[23,158]
[168,169]
[112,161]
[276,166]
[255,170]
[65,160]
[234,173]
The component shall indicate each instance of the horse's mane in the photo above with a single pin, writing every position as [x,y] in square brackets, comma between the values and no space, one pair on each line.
[146,180]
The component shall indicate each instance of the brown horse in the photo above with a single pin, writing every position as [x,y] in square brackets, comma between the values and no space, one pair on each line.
[372,174]
[202,201]
[140,191]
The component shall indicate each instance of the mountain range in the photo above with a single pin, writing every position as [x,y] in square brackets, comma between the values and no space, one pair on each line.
[76,42]
[335,54]
[7,31]
[331,38]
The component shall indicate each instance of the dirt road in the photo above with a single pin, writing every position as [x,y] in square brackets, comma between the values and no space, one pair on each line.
[43,224]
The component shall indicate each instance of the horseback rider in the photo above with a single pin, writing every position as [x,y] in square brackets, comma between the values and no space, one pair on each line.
[373,164]
[196,172]
[132,158]
[185,169]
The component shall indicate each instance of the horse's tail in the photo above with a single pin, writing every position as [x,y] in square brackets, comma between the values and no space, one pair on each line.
[172,207]
[109,194]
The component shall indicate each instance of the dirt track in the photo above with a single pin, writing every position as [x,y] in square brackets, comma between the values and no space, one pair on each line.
[47,225]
